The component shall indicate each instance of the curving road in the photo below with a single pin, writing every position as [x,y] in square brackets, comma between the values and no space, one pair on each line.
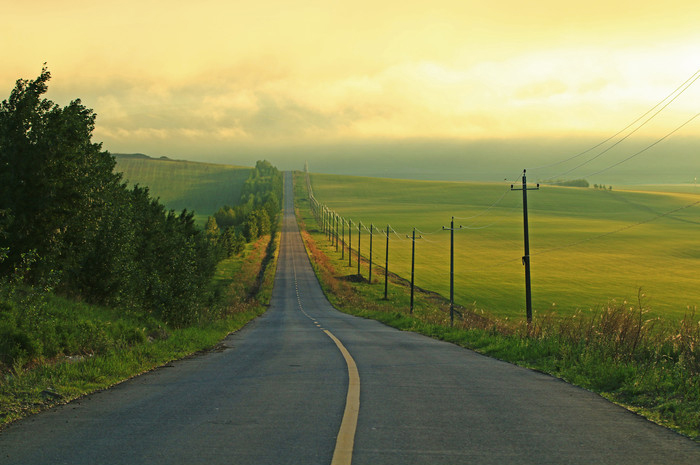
[305,384]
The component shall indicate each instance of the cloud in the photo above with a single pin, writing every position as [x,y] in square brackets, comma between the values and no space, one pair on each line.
[272,99]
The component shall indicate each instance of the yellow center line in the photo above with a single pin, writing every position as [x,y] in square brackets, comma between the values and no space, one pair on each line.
[345,442]
[346,436]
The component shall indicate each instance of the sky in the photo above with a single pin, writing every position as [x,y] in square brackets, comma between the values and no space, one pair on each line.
[204,80]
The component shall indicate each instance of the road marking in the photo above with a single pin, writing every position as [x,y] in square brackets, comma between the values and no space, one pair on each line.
[346,436]
[345,442]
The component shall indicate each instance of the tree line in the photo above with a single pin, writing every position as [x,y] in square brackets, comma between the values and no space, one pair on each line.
[254,216]
[69,222]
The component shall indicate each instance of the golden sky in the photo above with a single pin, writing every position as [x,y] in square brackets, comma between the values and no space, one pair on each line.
[171,76]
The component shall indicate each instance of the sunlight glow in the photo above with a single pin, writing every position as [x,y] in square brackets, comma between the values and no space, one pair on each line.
[276,73]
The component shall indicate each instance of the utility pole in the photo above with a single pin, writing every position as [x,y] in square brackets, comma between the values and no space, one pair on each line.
[413,264]
[359,241]
[349,242]
[526,257]
[452,268]
[371,234]
[330,225]
[386,265]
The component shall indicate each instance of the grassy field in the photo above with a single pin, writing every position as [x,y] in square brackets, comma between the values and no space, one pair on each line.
[202,187]
[686,188]
[576,263]
[651,367]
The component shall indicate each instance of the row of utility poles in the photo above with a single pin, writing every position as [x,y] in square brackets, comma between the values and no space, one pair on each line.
[333,226]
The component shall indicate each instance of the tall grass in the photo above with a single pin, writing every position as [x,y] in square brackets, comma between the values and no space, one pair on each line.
[648,364]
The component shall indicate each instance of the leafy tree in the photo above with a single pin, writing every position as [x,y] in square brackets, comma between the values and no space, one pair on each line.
[250,229]
[261,197]
[52,177]
[226,217]
[61,201]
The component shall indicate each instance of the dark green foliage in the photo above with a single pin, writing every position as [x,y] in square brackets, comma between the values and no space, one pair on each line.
[225,217]
[212,230]
[256,214]
[61,201]
[36,326]
[571,183]
[53,179]
[232,242]
[250,228]
[575,183]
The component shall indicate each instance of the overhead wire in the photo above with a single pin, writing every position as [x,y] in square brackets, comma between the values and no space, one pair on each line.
[493,205]
[645,148]
[428,233]
[624,228]
[684,86]
[668,100]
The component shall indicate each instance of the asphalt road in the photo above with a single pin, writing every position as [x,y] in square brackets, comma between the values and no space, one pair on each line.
[277,395]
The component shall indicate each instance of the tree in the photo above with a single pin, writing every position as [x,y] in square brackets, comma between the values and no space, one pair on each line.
[212,230]
[52,177]
[232,242]
[61,201]
[250,229]
[225,217]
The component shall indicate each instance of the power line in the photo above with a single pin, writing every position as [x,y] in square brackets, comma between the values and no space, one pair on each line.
[487,209]
[428,233]
[686,84]
[644,149]
[624,228]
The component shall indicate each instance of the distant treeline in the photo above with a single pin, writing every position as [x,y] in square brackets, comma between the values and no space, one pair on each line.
[570,183]
[67,221]
[255,215]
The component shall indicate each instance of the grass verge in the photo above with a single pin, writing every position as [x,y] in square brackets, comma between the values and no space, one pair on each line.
[118,345]
[649,366]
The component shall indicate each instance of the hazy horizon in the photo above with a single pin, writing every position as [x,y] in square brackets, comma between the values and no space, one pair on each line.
[676,161]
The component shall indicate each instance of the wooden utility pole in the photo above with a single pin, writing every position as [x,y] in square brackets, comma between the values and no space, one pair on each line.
[526,257]
[386,265]
[452,268]
[359,242]
[413,264]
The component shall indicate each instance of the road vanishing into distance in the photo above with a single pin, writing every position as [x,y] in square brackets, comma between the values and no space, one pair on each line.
[306,384]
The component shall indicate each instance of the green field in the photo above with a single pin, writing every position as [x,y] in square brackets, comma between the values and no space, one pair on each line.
[576,263]
[202,187]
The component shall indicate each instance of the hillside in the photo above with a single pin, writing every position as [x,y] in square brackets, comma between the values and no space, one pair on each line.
[587,245]
[202,187]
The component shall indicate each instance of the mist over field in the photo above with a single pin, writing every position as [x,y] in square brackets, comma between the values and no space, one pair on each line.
[673,161]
